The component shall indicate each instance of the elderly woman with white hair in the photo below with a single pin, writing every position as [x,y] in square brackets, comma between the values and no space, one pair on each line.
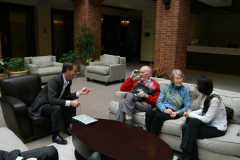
[173,101]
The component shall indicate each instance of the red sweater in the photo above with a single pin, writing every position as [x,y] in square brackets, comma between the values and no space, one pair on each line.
[129,84]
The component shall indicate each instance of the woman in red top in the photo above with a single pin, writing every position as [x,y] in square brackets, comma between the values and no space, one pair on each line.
[141,98]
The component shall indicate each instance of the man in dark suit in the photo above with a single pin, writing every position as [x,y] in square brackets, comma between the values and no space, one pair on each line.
[43,153]
[57,102]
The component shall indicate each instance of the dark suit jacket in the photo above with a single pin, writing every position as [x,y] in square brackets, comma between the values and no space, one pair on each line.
[50,94]
[9,155]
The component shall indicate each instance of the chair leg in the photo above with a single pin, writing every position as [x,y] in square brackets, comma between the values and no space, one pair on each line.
[88,79]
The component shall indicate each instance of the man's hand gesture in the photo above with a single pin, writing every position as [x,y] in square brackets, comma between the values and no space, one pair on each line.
[75,103]
[84,91]
[134,73]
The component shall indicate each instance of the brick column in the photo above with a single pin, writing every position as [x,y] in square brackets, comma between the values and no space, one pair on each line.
[171,35]
[88,12]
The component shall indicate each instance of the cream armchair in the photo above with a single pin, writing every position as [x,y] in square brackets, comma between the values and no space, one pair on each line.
[45,66]
[109,68]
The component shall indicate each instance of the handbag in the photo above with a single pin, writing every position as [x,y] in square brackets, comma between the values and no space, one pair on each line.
[230,113]
[142,88]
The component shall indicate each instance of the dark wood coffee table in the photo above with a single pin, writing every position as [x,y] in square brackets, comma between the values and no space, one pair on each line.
[117,140]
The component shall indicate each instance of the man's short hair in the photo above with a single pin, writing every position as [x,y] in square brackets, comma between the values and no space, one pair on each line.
[66,66]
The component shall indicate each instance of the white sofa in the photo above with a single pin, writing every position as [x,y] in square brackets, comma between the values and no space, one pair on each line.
[110,68]
[45,66]
[220,148]
[9,141]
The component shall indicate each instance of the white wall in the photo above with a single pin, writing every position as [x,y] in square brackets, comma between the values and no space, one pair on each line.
[148,26]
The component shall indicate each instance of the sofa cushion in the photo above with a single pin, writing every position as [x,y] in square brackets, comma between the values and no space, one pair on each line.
[138,118]
[109,59]
[103,70]
[40,121]
[173,127]
[42,61]
[234,103]
[49,71]
[195,97]
[228,144]
[9,141]
[113,107]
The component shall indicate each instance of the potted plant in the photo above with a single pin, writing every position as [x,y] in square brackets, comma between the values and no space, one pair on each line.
[2,68]
[69,57]
[158,72]
[85,42]
[16,67]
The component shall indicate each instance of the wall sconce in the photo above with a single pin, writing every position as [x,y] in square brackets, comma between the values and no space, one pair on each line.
[166,3]
[44,34]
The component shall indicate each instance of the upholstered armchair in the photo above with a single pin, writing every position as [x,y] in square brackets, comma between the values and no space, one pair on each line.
[45,66]
[17,95]
[109,68]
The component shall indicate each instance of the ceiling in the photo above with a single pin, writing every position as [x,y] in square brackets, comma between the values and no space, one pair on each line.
[129,4]
[197,7]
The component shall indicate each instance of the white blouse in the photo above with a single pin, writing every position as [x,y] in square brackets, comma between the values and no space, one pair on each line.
[215,116]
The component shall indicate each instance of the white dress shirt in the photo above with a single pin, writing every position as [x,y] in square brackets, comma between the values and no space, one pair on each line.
[215,116]
[65,83]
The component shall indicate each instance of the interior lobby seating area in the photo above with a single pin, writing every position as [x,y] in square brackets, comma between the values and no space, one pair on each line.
[199,37]
[103,95]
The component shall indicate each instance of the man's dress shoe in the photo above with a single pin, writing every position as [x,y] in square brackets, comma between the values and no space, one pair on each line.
[68,131]
[187,158]
[59,140]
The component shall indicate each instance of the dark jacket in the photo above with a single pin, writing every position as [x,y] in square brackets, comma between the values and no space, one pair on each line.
[50,95]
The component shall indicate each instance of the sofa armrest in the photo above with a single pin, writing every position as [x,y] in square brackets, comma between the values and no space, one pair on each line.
[95,63]
[122,60]
[118,96]
[16,116]
[57,64]
[118,71]
[32,68]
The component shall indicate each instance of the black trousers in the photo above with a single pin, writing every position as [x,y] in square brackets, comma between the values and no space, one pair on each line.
[60,116]
[43,153]
[154,120]
[193,129]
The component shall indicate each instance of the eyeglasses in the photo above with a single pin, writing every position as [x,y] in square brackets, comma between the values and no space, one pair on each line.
[178,79]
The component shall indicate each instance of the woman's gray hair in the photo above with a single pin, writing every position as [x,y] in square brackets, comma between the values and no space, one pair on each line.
[176,71]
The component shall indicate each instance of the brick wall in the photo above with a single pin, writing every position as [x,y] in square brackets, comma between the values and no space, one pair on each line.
[171,35]
[88,12]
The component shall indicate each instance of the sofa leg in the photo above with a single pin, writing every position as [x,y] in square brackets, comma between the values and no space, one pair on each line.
[106,83]
[123,80]
[88,79]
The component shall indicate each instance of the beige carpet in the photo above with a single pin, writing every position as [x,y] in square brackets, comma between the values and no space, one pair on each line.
[65,152]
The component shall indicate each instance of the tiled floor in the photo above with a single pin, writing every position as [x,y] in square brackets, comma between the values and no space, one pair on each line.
[221,81]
